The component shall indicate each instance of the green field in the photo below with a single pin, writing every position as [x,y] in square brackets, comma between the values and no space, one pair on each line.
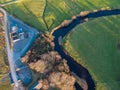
[3,57]
[4,69]
[94,44]
[28,11]
[47,14]
[95,47]
[5,85]
[4,1]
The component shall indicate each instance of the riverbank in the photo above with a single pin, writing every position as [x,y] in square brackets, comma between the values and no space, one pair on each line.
[50,69]
[58,19]
[96,49]
[61,32]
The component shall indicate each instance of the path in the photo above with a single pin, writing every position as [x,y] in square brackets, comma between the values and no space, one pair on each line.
[14,57]
[8,3]
[9,52]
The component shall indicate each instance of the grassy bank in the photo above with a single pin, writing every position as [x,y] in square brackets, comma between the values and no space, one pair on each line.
[95,45]
[47,14]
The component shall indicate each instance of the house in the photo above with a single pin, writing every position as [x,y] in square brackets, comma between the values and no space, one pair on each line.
[16,34]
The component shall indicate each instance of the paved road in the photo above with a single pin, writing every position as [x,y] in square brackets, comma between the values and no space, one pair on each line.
[14,56]
[9,51]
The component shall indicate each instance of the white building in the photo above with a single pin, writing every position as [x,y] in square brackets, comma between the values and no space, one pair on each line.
[15,35]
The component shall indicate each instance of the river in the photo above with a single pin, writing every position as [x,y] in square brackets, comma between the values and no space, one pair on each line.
[74,66]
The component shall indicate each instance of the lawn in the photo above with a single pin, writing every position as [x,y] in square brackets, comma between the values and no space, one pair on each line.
[47,14]
[95,45]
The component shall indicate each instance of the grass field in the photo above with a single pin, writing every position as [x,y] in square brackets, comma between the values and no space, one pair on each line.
[95,45]
[3,58]
[95,48]
[39,13]
[28,11]
[4,69]
[4,1]
[5,85]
